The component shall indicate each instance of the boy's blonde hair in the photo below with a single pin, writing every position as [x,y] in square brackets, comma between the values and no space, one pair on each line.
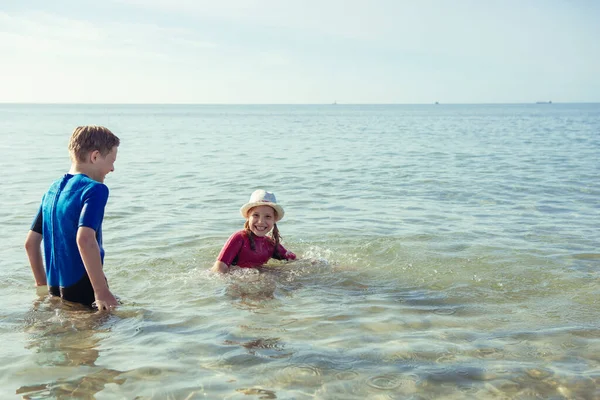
[89,138]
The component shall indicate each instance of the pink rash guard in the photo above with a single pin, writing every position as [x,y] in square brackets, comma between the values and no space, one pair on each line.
[237,251]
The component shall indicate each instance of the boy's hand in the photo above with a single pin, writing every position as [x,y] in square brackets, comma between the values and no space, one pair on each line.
[290,256]
[105,302]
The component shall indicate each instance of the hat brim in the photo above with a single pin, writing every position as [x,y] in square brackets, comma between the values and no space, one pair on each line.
[278,209]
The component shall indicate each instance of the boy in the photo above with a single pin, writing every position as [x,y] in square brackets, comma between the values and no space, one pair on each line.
[69,222]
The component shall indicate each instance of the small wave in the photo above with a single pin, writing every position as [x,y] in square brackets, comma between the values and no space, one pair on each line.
[346,375]
[587,256]
[384,382]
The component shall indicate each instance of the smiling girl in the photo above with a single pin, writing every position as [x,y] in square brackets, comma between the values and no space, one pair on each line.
[259,241]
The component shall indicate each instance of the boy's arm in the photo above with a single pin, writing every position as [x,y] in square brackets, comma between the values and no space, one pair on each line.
[90,254]
[34,254]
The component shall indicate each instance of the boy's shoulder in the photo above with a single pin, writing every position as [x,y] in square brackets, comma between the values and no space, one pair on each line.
[83,180]
[78,183]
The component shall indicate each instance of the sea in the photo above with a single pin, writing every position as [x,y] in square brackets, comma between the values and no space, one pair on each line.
[444,252]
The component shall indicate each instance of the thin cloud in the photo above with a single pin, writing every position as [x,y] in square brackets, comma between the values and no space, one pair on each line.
[41,33]
[272,51]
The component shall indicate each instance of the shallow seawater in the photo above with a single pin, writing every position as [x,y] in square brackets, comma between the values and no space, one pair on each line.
[444,252]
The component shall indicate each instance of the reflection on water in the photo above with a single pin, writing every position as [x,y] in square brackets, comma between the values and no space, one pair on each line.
[249,288]
[79,388]
[263,347]
[255,288]
[261,393]
[444,252]
[65,336]
[307,330]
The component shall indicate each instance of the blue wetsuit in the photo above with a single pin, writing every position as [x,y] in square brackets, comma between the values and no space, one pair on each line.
[72,201]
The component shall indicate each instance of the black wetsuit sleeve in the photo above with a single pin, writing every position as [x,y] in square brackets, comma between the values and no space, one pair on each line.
[37,225]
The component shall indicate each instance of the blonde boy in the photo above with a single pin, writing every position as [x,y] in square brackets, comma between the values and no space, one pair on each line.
[69,223]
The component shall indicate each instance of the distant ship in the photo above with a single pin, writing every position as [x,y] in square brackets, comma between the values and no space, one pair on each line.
[543,102]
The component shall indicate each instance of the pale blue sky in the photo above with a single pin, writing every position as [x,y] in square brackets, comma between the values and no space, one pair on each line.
[299,51]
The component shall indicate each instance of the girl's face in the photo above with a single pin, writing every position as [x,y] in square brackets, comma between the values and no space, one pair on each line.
[261,220]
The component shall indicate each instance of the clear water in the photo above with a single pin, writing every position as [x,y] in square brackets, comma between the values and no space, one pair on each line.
[447,251]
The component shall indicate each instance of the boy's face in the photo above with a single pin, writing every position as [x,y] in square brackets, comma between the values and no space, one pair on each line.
[261,220]
[104,164]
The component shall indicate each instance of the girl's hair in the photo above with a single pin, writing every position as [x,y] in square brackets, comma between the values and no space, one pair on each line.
[275,237]
[89,138]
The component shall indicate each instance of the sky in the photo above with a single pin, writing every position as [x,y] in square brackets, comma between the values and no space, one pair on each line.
[299,51]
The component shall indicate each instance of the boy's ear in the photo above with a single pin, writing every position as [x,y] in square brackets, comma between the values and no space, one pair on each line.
[94,156]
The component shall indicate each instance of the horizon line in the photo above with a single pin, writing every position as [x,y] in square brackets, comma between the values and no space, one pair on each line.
[296,104]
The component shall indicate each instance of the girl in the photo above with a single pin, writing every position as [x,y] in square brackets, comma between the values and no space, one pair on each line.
[252,246]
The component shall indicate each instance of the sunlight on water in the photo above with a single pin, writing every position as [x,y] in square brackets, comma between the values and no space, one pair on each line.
[446,252]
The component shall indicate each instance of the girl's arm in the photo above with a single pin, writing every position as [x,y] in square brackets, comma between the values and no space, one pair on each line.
[220,267]
[228,253]
[285,254]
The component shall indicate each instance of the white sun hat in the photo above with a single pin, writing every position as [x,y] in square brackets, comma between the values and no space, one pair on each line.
[262,198]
